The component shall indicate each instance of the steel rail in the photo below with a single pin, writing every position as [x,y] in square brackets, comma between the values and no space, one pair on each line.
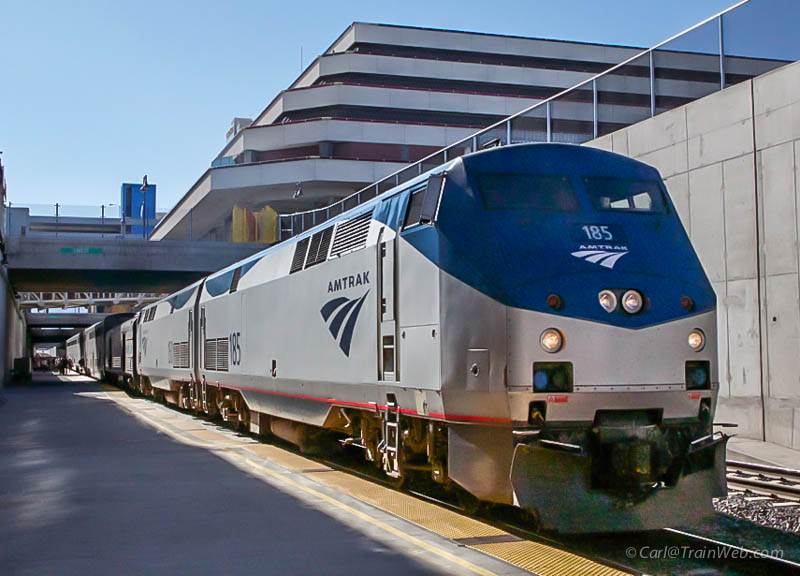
[783,483]
[776,565]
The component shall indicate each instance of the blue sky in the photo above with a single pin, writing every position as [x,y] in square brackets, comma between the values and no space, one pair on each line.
[96,93]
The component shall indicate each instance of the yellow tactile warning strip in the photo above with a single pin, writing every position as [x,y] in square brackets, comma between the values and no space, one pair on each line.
[435,518]
[532,556]
[209,435]
[284,458]
[544,560]
[541,559]
[377,523]
[188,425]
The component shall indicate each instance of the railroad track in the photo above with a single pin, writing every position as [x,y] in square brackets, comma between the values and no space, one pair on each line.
[766,481]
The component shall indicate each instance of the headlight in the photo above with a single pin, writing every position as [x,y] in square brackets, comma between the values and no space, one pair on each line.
[551,340]
[632,301]
[696,340]
[608,300]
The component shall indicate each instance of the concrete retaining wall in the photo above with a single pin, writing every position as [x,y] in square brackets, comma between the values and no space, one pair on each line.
[13,330]
[730,162]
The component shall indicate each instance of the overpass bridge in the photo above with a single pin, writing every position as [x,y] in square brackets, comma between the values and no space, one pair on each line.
[49,328]
[49,300]
[57,264]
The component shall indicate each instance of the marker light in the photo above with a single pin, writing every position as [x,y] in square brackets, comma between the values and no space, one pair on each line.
[632,301]
[555,302]
[696,340]
[608,300]
[551,340]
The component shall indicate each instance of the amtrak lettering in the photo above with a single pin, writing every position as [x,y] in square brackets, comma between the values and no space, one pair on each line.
[348,282]
[615,247]
[605,255]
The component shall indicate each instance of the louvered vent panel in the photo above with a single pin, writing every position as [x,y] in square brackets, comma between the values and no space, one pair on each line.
[222,354]
[129,364]
[210,358]
[320,243]
[180,355]
[351,235]
[299,258]
[116,362]
[185,354]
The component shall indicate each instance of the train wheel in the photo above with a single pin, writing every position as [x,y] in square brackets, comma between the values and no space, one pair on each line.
[470,504]
[244,416]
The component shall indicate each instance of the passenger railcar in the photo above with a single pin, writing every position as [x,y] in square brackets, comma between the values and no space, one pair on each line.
[101,344]
[128,331]
[114,346]
[529,322]
[93,344]
[75,351]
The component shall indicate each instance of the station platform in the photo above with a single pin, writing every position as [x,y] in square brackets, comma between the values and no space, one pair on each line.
[94,480]
[758,452]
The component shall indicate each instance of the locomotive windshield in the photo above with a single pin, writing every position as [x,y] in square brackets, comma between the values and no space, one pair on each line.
[546,192]
[626,195]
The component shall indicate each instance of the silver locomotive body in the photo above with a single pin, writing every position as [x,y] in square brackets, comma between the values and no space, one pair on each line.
[420,327]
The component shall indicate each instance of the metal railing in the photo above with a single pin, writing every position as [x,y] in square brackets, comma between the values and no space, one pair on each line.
[58,219]
[746,40]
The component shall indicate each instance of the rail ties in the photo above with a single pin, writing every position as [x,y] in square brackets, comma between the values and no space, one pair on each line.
[780,483]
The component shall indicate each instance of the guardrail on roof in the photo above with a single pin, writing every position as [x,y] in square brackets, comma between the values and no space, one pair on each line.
[748,39]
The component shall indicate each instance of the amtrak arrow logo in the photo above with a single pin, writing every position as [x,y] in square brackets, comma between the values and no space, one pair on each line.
[602,257]
[346,313]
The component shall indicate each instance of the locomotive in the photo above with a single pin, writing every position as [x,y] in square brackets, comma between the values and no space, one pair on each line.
[529,323]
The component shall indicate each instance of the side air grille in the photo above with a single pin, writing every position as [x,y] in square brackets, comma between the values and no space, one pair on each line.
[320,242]
[216,354]
[180,354]
[300,250]
[222,354]
[210,356]
[129,364]
[351,235]
[116,362]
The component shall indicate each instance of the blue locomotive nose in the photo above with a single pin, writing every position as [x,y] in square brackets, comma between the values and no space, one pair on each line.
[575,217]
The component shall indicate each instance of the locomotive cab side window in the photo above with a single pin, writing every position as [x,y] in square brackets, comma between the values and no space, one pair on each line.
[181,298]
[414,208]
[220,284]
[542,192]
[424,201]
[614,194]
